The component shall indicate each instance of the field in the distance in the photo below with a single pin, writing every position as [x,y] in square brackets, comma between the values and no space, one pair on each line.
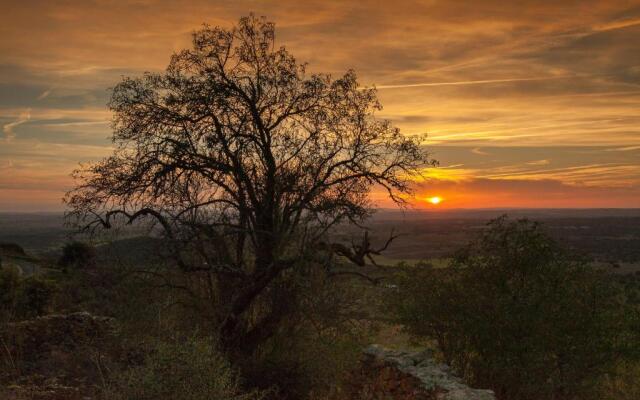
[605,235]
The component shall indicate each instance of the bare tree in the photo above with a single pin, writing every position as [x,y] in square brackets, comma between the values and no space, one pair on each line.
[245,161]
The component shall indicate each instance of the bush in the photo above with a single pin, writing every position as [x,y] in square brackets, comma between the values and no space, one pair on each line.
[24,297]
[12,249]
[185,370]
[516,313]
[35,296]
[9,289]
[318,339]
[77,255]
[624,385]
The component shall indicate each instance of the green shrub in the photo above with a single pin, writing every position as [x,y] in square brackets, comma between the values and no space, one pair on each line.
[516,313]
[304,362]
[187,370]
[319,338]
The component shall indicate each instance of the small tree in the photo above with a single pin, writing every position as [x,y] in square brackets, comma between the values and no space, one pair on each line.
[518,314]
[245,161]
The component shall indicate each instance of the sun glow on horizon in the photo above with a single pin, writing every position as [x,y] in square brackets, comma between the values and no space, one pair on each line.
[435,200]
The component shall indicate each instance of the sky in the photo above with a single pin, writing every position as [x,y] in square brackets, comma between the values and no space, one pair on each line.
[525,103]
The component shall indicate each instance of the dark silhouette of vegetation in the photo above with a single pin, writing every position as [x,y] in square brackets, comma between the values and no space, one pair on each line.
[516,313]
[24,297]
[12,249]
[9,289]
[36,296]
[245,161]
[77,255]
[254,277]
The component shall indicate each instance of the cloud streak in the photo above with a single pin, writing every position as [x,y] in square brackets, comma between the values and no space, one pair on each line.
[477,82]
[8,129]
[44,94]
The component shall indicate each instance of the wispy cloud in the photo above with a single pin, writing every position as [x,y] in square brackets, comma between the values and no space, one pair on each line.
[504,88]
[538,162]
[476,82]
[478,151]
[620,24]
[44,94]
[628,148]
[8,129]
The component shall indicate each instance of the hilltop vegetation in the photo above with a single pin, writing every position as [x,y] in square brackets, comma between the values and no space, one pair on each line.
[514,312]
[225,250]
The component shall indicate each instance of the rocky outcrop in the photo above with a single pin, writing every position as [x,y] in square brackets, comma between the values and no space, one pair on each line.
[403,375]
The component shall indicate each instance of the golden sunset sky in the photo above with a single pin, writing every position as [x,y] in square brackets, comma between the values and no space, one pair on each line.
[526,103]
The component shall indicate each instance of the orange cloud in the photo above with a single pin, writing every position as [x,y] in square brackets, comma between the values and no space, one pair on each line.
[512,193]
[539,94]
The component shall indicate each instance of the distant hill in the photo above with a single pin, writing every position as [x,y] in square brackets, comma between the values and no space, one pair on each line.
[13,255]
[11,250]
[607,234]
[33,231]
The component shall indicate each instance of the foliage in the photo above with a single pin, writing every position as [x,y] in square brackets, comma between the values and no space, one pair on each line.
[24,297]
[190,369]
[315,341]
[36,295]
[318,341]
[516,313]
[624,384]
[12,249]
[244,161]
[9,289]
[77,255]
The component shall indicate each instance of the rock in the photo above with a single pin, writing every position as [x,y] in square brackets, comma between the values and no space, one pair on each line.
[425,378]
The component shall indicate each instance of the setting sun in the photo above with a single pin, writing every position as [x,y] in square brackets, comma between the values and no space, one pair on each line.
[441,178]
[434,200]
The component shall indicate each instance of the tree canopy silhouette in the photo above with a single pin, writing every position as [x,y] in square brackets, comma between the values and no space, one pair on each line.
[245,161]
